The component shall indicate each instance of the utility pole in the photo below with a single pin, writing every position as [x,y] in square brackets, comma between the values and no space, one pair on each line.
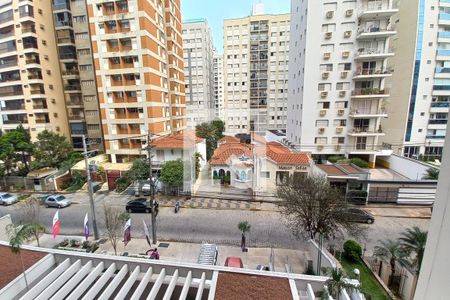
[152,188]
[89,183]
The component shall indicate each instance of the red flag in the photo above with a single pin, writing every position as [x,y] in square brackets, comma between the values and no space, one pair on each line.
[55,226]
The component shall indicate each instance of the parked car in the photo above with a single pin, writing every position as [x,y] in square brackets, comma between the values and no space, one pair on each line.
[359,215]
[8,199]
[138,205]
[234,262]
[262,268]
[57,200]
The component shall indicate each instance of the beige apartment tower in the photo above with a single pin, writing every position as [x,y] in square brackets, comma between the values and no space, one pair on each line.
[138,57]
[255,66]
[31,91]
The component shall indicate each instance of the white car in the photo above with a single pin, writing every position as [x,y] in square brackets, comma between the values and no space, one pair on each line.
[8,199]
[57,201]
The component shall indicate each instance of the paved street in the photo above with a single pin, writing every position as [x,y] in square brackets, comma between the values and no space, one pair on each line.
[212,225]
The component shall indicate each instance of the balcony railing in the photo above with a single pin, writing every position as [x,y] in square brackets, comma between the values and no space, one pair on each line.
[375,29]
[72,87]
[373,51]
[63,23]
[6,34]
[369,91]
[30,45]
[71,72]
[61,6]
[40,106]
[13,107]
[365,130]
[18,121]
[440,104]
[372,72]
[68,56]
[66,40]
[36,92]
[444,34]
[438,122]
[367,111]
[7,64]
[28,29]
[436,137]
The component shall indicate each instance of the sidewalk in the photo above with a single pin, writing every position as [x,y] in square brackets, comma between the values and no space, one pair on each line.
[399,211]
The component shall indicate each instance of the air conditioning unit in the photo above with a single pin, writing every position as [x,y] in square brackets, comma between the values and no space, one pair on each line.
[330,14]
[320,147]
[328,35]
[337,147]
[323,112]
[321,130]
[347,34]
[341,112]
[339,129]
[325,75]
[349,13]
[323,94]
[344,75]
[327,55]
[342,93]
[346,54]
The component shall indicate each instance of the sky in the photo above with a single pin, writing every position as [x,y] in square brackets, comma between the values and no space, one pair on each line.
[215,11]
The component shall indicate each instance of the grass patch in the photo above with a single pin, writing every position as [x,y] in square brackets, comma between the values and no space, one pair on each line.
[75,187]
[369,284]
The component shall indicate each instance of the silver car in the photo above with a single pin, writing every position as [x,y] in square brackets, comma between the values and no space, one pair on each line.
[8,199]
[57,201]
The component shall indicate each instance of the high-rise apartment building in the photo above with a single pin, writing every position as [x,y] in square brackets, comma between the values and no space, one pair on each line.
[31,91]
[256,52]
[420,99]
[218,87]
[337,73]
[138,55]
[77,69]
[198,53]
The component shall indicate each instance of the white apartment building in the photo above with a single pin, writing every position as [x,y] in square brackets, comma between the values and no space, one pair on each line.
[418,112]
[338,67]
[198,51]
[256,52]
[218,86]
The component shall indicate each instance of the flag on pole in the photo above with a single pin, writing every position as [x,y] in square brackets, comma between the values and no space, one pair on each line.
[127,232]
[86,226]
[55,226]
[147,234]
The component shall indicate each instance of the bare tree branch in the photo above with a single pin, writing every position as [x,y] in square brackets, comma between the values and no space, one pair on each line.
[115,220]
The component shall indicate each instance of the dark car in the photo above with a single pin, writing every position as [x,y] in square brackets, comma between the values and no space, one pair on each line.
[358,215]
[138,205]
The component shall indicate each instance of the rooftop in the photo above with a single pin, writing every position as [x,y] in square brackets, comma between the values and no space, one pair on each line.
[177,141]
[62,274]
[341,170]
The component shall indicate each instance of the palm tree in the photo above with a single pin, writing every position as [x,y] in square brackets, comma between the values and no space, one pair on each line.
[35,230]
[336,283]
[431,174]
[413,241]
[244,227]
[17,236]
[391,251]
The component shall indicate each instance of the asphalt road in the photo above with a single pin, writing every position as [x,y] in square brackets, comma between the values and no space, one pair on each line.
[198,225]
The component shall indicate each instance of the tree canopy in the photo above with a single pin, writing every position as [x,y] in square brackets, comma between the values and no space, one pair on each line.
[172,173]
[212,132]
[50,150]
[138,171]
[15,147]
[312,207]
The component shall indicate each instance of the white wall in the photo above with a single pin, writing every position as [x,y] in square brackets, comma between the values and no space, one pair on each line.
[434,277]
[407,167]
[328,261]
[4,221]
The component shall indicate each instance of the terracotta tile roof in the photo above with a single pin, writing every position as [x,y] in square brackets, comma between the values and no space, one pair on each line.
[177,141]
[331,170]
[273,150]
[229,139]
[226,151]
[11,265]
[258,138]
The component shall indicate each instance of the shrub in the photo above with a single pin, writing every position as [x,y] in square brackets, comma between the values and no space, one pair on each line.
[74,243]
[121,184]
[86,245]
[335,158]
[359,162]
[64,243]
[352,250]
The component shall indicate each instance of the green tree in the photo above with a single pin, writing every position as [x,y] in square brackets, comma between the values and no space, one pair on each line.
[16,146]
[392,251]
[212,132]
[431,174]
[50,150]
[244,227]
[172,173]
[17,236]
[413,242]
[138,171]
[7,155]
[71,160]
[336,283]
[197,157]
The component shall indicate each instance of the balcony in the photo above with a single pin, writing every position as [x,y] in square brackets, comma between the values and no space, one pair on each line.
[63,23]
[440,104]
[438,122]
[369,93]
[371,73]
[61,6]
[66,40]
[365,131]
[30,29]
[72,88]
[6,33]
[436,137]
[77,116]
[367,113]
[373,53]
[377,10]
[364,148]
[16,121]
[375,32]
[40,104]
[14,105]
[68,56]
[30,45]
[37,92]
[7,64]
